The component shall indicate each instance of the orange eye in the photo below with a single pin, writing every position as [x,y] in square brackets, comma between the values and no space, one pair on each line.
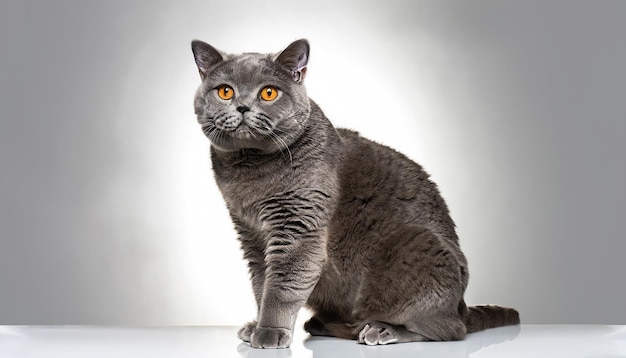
[225,92]
[269,93]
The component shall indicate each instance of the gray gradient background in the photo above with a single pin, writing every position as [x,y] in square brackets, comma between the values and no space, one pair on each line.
[109,213]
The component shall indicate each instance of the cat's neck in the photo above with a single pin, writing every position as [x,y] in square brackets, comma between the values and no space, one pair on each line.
[247,157]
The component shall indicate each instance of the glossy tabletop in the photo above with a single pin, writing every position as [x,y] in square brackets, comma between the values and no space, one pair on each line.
[121,342]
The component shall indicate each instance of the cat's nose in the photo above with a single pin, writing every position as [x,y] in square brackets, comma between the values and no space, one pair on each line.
[243,109]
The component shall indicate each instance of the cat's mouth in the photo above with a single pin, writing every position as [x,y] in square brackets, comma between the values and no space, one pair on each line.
[244,132]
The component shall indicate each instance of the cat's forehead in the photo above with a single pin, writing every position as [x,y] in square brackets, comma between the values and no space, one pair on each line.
[249,67]
[248,59]
[244,59]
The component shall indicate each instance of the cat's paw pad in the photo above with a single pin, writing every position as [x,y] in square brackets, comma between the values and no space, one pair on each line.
[245,332]
[377,333]
[263,337]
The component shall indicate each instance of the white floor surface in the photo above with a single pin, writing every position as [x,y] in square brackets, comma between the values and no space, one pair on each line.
[173,342]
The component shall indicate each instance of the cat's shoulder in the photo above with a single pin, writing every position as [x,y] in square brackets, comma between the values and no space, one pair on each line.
[347,133]
[364,152]
[351,137]
[355,141]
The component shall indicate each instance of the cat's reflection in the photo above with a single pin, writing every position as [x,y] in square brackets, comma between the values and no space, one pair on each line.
[245,351]
[326,347]
[459,349]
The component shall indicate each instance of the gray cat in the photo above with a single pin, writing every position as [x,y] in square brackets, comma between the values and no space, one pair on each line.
[326,218]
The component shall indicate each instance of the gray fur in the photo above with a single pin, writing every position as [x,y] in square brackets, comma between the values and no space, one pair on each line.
[351,228]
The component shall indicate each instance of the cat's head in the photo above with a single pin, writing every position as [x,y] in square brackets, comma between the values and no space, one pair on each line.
[252,101]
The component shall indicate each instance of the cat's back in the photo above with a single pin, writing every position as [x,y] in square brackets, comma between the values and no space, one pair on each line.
[382,187]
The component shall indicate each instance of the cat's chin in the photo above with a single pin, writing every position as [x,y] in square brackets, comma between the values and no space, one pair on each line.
[238,143]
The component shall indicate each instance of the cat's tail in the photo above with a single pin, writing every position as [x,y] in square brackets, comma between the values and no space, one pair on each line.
[479,318]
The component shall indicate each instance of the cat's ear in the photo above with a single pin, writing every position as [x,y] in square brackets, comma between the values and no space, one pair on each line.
[206,56]
[295,58]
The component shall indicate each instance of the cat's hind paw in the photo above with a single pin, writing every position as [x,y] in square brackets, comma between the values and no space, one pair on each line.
[377,333]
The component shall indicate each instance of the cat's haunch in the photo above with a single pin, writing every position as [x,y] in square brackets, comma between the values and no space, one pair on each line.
[350,228]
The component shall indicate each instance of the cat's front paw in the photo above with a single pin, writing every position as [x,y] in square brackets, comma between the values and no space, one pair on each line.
[263,337]
[245,332]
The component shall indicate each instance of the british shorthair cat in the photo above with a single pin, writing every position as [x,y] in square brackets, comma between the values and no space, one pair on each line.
[350,228]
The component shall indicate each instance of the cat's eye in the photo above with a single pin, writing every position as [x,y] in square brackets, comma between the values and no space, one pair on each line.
[269,93]
[225,92]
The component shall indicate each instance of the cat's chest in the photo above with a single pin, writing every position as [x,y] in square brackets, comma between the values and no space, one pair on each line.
[245,200]
[265,196]
[264,206]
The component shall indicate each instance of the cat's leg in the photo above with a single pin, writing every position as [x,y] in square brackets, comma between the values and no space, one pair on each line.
[414,293]
[295,253]
[256,266]
[289,281]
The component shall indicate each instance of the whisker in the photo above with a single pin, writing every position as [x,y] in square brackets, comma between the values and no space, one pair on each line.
[261,123]
[280,143]
[276,143]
